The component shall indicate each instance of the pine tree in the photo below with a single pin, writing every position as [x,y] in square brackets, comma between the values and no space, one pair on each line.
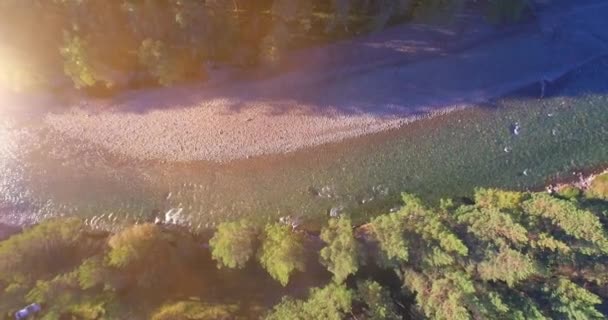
[233,244]
[340,255]
[282,252]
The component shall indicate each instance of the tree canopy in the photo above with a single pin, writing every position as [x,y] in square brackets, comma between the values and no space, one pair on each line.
[126,43]
[234,243]
[340,255]
[282,252]
[509,255]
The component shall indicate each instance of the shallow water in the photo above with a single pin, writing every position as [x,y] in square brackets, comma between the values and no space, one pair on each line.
[44,174]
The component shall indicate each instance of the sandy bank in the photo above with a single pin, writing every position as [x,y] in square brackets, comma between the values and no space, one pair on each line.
[212,131]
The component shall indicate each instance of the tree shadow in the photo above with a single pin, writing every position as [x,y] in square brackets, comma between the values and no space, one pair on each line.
[403,71]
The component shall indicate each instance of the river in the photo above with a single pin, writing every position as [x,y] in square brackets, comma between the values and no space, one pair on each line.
[517,142]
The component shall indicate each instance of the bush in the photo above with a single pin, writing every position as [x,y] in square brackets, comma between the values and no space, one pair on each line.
[599,187]
[569,192]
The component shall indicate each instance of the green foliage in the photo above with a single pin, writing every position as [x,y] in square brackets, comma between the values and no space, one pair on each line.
[41,251]
[379,305]
[491,260]
[62,298]
[571,301]
[509,239]
[331,302]
[194,310]
[288,309]
[340,255]
[429,226]
[389,232]
[507,265]
[106,40]
[546,241]
[499,199]
[77,62]
[282,252]
[146,253]
[599,187]
[494,226]
[92,272]
[575,222]
[444,296]
[569,192]
[233,244]
[435,257]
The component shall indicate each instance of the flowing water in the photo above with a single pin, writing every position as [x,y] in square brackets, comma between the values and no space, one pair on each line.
[518,142]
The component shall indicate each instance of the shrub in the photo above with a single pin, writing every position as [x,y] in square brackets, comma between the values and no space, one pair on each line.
[599,187]
[569,192]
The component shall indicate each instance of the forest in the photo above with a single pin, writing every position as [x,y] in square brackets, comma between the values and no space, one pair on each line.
[111,45]
[499,255]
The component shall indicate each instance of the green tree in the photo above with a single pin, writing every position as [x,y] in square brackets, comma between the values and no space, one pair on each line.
[233,244]
[282,252]
[194,310]
[340,255]
[499,199]
[331,302]
[92,272]
[445,295]
[575,222]
[379,305]
[570,301]
[78,65]
[146,254]
[492,225]
[430,226]
[388,231]
[44,250]
[507,265]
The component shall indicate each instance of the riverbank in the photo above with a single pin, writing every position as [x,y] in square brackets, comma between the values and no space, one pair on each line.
[68,171]
[135,285]
[445,156]
[310,107]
